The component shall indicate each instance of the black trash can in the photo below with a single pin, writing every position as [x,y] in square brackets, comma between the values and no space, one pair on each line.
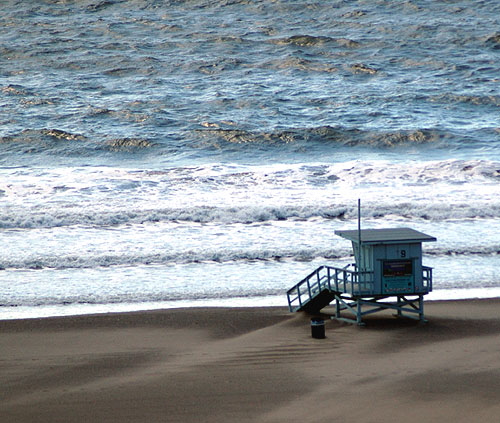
[318,328]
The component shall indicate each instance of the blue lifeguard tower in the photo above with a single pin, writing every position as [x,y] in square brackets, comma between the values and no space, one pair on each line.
[388,264]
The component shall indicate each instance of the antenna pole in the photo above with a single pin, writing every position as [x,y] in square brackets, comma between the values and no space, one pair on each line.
[359,235]
[359,220]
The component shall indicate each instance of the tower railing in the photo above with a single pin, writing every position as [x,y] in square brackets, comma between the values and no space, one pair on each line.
[427,278]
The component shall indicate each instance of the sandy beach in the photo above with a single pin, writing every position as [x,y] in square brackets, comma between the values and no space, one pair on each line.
[252,365]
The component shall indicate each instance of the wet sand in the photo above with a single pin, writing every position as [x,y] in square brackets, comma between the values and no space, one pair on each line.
[252,365]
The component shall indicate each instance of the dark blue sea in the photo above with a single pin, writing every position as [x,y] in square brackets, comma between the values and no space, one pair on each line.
[181,153]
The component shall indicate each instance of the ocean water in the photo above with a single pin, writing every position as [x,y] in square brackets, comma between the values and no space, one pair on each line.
[190,153]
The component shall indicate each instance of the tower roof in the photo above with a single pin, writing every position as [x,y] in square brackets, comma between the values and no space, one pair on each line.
[385,236]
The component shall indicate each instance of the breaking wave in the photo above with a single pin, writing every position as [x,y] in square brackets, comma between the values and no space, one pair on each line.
[215,132]
[17,219]
[41,140]
[326,135]
[181,257]
[311,40]
[103,260]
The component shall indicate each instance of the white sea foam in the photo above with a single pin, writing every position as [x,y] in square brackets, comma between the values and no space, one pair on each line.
[236,194]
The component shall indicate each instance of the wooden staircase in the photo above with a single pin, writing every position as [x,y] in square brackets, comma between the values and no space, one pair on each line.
[312,293]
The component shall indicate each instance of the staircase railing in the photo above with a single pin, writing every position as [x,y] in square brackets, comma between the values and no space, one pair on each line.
[332,279]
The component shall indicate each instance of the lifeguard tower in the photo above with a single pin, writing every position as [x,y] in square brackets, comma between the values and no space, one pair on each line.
[388,263]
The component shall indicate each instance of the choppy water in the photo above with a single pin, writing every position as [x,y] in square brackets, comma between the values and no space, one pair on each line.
[155,153]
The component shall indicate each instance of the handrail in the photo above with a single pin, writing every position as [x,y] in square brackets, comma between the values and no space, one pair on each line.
[310,289]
